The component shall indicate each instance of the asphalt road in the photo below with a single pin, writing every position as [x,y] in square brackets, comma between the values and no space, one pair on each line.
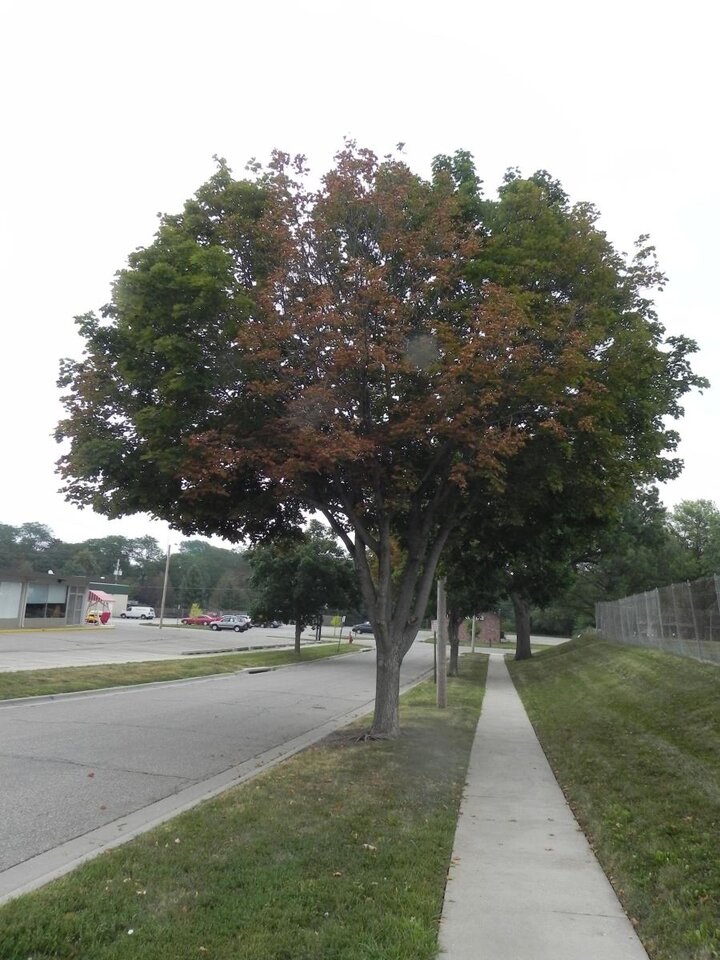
[79,763]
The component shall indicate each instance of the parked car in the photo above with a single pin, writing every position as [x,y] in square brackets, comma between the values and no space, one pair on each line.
[202,620]
[231,622]
[138,613]
[271,623]
[363,627]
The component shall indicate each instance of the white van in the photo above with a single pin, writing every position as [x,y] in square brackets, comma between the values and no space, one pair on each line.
[138,613]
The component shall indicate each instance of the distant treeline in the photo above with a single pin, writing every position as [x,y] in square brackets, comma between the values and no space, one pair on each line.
[211,577]
[650,546]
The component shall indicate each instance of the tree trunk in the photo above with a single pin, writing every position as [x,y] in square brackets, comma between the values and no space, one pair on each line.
[521,606]
[395,610]
[298,631]
[386,719]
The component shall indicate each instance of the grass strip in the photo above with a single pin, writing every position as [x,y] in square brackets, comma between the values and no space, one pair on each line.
[340,852]
[33,683]
[634,739]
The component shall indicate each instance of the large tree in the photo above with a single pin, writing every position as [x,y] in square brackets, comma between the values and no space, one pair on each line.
[565,487]
[359,350]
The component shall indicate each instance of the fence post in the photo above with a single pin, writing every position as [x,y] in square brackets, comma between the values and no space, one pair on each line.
[678,638]
[624,631]
[660,618]
[647,620]
[694,618]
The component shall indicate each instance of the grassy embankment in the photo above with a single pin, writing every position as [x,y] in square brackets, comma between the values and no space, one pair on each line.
[34,683]
[340,852]
[634,739]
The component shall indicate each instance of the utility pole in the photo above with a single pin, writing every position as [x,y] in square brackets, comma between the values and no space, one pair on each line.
[165,583]
[441,644]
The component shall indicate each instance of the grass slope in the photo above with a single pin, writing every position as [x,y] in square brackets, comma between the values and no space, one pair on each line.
[634,739]
[340,853]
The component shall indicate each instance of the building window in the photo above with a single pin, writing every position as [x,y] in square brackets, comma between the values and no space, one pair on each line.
[10,594]
[46,601]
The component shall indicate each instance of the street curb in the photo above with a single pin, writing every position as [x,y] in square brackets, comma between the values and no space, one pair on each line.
[64,629]
[45,867]
[152,684]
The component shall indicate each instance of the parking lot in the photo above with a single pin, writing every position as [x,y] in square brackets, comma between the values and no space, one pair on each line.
[130,641]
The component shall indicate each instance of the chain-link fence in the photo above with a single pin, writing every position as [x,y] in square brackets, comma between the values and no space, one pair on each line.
[683,618]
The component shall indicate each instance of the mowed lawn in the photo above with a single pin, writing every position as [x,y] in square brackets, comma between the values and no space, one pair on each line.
[634,738]
[55,680]
[340,853]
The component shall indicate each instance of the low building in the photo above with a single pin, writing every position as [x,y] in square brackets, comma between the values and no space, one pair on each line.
[488,628]
[41,600]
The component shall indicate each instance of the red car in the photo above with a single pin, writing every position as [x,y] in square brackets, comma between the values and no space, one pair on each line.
[201,621]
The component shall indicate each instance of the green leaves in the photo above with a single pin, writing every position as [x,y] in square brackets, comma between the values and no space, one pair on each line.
[297,579]
[393,352]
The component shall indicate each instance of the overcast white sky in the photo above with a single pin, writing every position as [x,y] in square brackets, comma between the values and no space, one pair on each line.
[111,112]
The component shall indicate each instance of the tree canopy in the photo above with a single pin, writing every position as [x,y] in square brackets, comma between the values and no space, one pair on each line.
[297,580]
[382,349]
[647,546]
[697,525]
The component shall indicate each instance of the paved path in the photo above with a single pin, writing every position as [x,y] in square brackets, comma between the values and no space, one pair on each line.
[524,883]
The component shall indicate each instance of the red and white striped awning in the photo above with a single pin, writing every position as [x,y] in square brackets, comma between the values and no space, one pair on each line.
[97,596]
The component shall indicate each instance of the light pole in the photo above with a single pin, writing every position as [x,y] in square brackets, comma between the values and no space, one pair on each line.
[441,692]
[165,583]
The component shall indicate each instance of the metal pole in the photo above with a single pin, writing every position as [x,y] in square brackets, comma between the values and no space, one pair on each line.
[441,646]
[661,629]
[694,618]
[165,583]
[472,638]
[677,646]
[648,638]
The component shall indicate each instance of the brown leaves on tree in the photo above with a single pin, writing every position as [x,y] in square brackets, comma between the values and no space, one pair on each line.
[379,348]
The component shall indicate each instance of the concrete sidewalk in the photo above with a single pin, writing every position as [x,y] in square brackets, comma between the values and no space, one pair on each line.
[524,883]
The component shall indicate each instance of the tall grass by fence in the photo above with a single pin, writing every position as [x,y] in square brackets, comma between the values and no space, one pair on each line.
[682,618]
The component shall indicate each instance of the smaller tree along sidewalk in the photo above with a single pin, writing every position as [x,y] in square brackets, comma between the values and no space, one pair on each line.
[297,579]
